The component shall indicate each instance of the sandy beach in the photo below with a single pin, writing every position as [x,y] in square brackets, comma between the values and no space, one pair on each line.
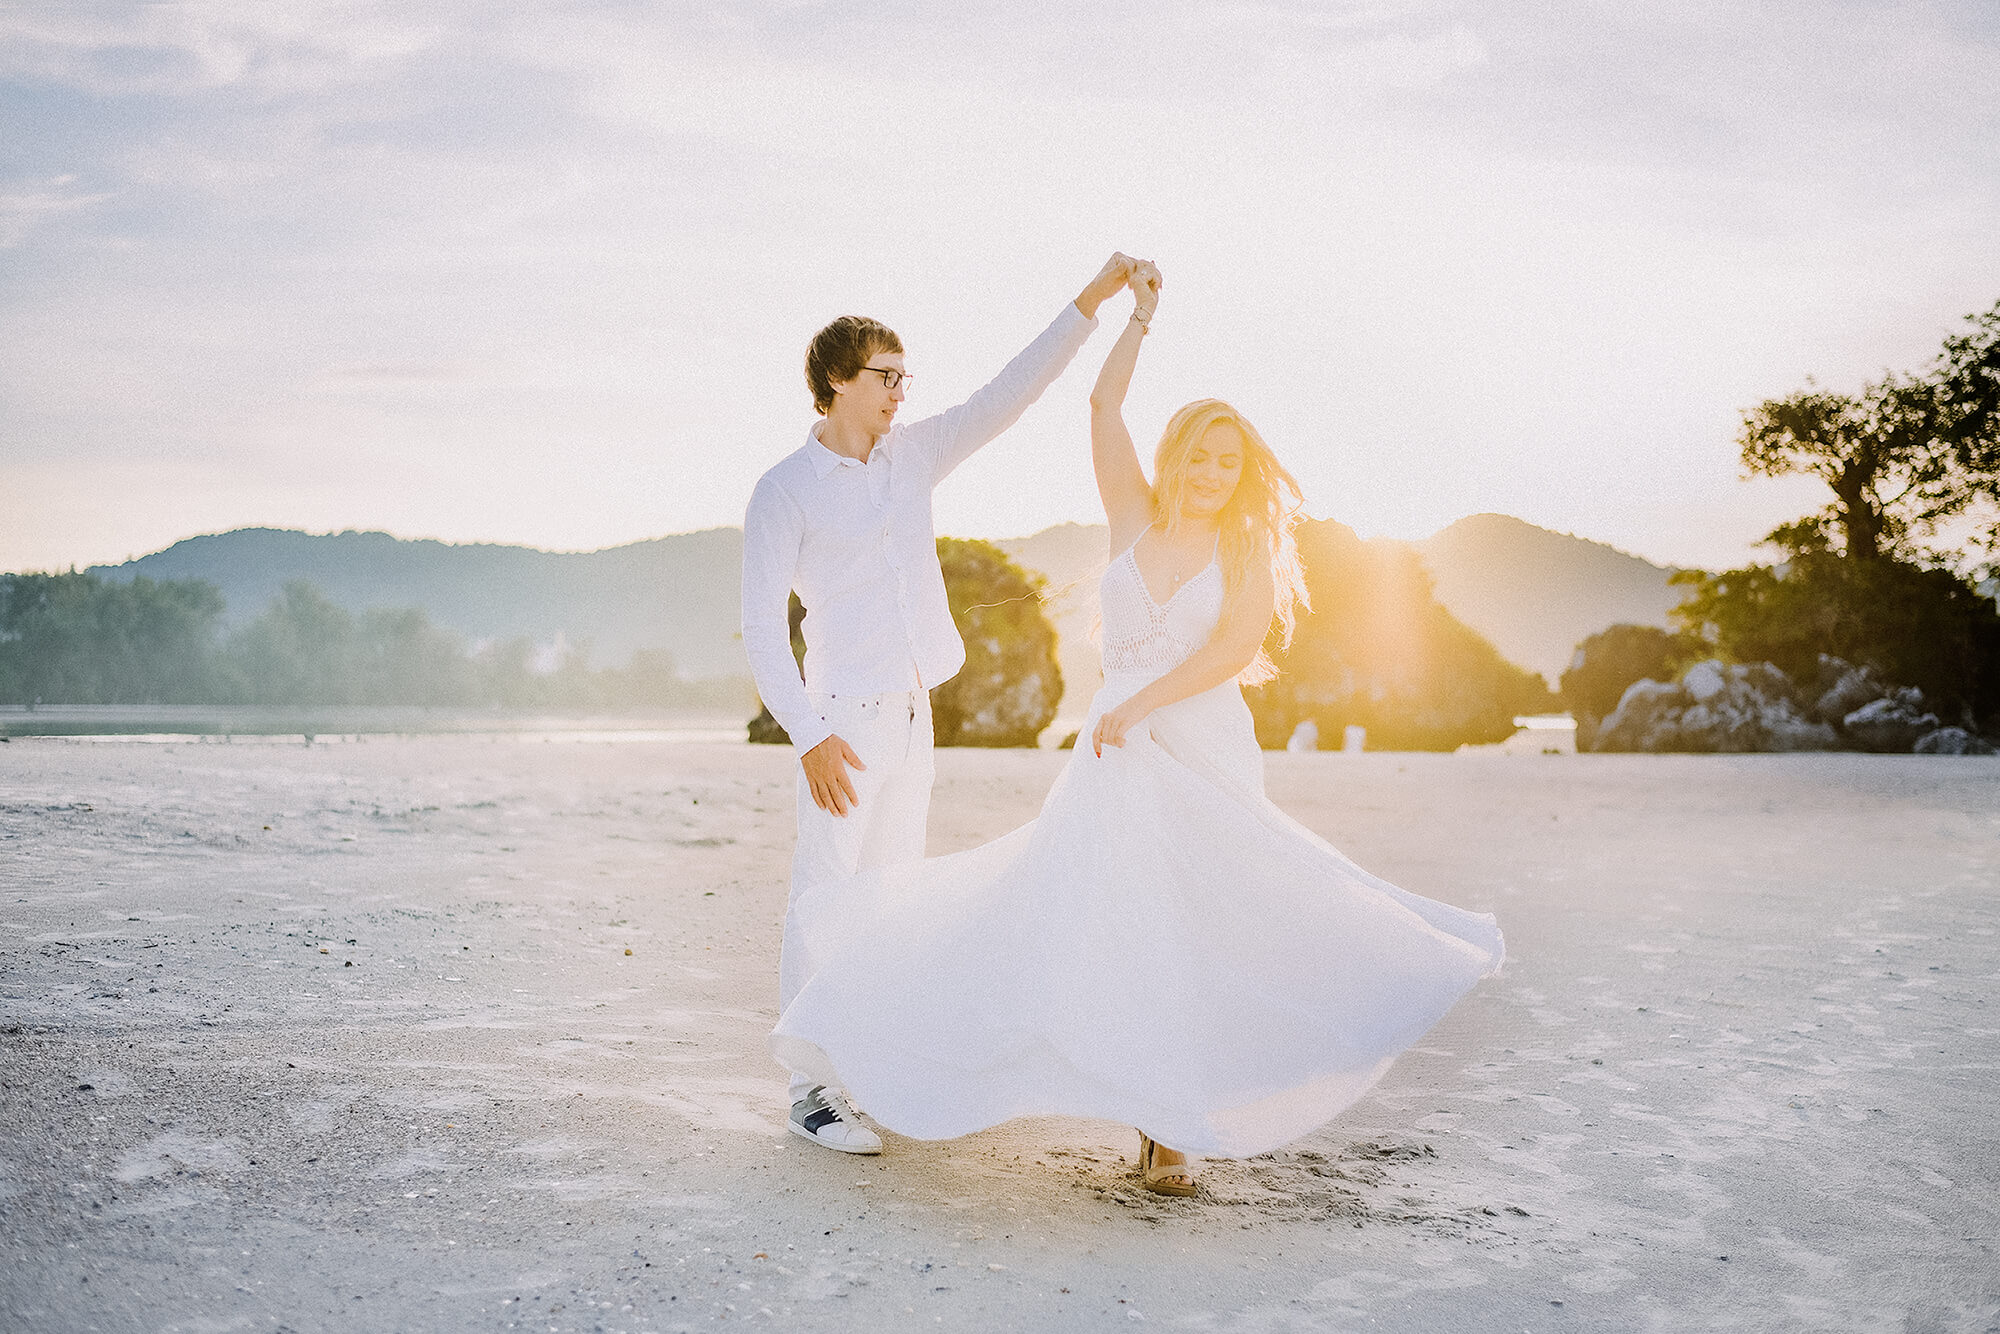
[467,1033]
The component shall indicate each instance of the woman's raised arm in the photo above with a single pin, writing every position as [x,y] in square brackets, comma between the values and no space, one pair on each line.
[1121,484]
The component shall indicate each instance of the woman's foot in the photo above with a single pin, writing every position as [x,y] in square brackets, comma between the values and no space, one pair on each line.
[1165,1171]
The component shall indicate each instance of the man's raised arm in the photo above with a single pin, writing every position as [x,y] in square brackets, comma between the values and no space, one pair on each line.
[951,437]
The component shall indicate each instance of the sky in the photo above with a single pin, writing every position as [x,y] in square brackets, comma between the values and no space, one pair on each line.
[544,274]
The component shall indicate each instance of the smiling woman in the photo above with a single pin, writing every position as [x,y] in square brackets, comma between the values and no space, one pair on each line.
[1212,470]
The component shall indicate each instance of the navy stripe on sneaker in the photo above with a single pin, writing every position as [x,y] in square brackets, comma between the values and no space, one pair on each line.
[818,1120]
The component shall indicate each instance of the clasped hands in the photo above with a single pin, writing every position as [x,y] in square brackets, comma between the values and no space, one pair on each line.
[1121,270]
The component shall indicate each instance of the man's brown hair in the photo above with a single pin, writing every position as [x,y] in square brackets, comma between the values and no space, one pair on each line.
[840,351]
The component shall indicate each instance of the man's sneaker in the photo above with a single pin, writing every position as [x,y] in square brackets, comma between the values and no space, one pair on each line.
[825,1117]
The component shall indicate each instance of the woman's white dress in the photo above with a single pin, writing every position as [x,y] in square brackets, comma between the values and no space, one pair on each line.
[1160,947]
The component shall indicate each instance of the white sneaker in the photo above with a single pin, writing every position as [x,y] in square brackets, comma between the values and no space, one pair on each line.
[825,1117]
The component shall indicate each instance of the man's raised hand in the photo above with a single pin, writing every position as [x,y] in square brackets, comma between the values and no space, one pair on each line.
[1117,271]
[826,767]
[1145,283]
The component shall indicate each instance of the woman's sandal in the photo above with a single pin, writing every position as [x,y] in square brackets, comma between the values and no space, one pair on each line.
[1164,1178]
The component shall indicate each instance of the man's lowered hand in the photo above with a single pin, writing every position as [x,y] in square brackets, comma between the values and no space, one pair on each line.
[826,767]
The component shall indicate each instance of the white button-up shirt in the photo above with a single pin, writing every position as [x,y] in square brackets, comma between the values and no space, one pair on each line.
[856,541]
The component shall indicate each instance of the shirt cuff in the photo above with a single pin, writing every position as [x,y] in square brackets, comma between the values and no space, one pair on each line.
[1072,317]
[810,734]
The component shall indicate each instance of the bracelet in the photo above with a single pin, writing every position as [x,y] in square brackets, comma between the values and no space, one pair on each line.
[1144,322]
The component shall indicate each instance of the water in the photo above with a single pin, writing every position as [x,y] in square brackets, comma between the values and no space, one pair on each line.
[250,725]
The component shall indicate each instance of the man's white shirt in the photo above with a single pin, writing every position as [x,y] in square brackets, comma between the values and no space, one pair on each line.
[858,544]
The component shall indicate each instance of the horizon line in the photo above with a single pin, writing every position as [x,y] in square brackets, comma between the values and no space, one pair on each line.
[75,568]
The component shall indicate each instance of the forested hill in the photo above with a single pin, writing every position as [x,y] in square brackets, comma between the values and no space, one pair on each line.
[1536,594]
[676,593]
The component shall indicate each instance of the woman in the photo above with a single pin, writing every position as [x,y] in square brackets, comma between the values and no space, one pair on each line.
[1161,945]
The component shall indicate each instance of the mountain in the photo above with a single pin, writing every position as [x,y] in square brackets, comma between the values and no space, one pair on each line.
[676,593]
[1380,652]
[1536,594]
[1532,592]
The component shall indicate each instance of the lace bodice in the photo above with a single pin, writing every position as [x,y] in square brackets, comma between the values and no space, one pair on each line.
[1144,636]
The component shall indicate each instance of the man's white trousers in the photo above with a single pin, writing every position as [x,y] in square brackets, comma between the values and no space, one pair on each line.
[892,735]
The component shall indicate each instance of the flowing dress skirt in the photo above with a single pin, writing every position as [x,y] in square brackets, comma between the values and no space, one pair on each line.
[1161,947]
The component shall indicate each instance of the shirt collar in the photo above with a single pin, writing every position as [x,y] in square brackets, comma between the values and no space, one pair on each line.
[824,460]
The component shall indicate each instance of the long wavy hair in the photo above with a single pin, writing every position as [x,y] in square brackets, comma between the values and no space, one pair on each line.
[1256,524]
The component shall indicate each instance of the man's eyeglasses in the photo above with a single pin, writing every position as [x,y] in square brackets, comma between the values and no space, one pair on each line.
[891,377]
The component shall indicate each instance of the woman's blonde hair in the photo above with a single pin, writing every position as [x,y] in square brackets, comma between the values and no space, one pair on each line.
[1257,522]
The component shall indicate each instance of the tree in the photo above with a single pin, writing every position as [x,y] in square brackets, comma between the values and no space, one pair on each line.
[399,657]
[1379,651]
[1008,690]
[1609,662]
[1902,457]
[1967,375]
[1914,625]
[306,649]
[78,639]
[1881,452]
[298,650]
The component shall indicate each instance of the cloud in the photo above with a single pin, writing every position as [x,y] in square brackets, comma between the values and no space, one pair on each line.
[400,373]
[198,45]
[1550,246]
[23,208]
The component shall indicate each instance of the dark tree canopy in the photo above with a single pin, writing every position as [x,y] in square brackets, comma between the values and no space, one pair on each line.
[1968,378]
[1923,626]
[1610,661]
[1879,452]
[1904,456]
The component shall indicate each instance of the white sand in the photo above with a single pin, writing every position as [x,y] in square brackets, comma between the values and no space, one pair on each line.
[1750,1012]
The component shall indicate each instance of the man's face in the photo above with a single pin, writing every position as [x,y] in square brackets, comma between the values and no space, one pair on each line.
[867,400]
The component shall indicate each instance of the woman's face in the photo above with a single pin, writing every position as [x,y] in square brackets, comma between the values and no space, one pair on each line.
[1214,467]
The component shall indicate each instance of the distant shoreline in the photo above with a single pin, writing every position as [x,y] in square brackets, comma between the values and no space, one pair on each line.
[214,723]
[221,722]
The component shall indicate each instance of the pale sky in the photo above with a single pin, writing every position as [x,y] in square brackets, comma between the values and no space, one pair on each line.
[544,274]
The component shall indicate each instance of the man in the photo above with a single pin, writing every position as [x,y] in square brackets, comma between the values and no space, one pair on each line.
[846,521]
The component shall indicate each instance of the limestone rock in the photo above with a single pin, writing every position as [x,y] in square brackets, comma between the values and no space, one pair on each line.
[1704,681]
[1850,688]
[1756,707]
[1891,724]
[1713,708]
[1951,741]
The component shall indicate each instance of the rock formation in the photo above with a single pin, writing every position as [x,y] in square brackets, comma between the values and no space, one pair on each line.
[1755,707]
[1713,708]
